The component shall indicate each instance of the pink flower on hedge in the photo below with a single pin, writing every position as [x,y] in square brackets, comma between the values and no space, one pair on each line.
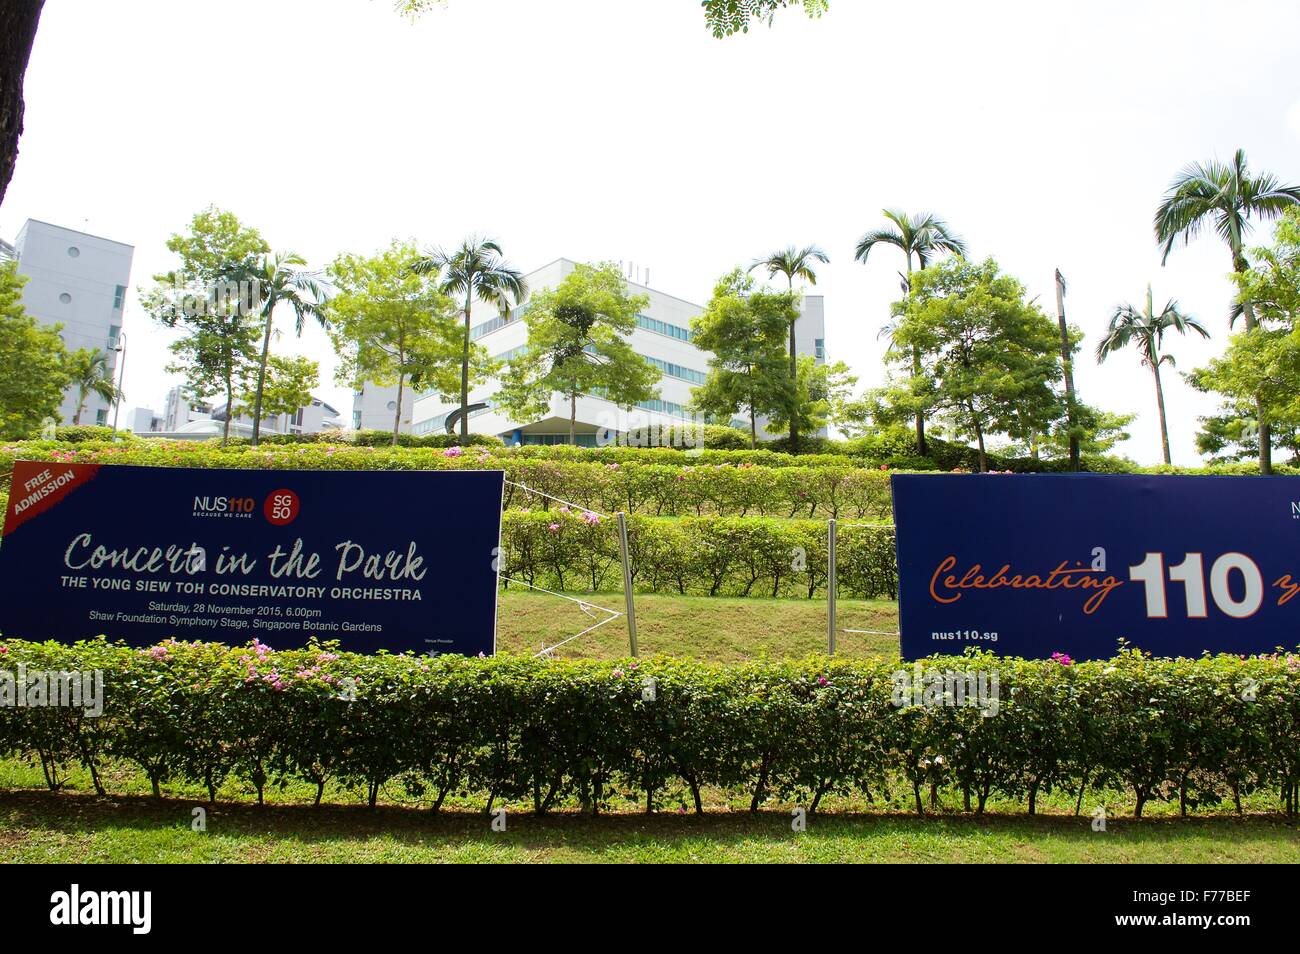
[884,467]
[452,452]
[617,673]
[3,650]
[591,518]
[553,527]
[1063,659]
[564,509]
[822,681]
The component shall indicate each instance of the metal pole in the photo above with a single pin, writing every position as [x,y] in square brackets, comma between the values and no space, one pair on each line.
[830,587]
[627,581]
[121,377]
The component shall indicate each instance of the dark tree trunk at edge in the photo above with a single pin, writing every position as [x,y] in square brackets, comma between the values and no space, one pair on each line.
[18,21]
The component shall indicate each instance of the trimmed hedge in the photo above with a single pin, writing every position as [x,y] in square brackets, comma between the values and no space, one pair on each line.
[707,556]
[662,733]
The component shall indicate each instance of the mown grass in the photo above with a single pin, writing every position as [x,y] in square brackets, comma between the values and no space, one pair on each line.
[716,629]
[38,827]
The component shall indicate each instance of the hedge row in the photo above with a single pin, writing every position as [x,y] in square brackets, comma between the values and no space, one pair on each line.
[706,556]
[663,732]
[655,489]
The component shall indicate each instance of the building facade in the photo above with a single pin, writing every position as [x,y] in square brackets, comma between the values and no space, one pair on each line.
[662,336]
[79,281]
[179,410]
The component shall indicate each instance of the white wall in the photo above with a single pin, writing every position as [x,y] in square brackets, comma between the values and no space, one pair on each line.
[73,278]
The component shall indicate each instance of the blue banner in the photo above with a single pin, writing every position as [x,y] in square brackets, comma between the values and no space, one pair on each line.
[1030,565]
[374,559]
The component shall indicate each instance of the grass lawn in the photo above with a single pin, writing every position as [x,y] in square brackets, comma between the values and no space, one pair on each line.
[38,827]
[711,628]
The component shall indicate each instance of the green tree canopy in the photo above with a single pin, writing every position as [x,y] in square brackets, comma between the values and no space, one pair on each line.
[202,296]
[577,345]
[391,325]
[745,328]
[33,362]
[988,358]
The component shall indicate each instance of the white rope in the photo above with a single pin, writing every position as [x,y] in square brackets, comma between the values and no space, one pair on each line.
[869,632]
[873,526]
[542,493]
[585,606]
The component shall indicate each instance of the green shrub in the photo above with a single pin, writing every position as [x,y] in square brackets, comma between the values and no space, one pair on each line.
[660,732]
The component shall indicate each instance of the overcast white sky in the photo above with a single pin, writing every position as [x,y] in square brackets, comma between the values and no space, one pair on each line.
[1045,133]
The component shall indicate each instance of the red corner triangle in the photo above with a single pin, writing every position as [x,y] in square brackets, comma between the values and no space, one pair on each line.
[39,485]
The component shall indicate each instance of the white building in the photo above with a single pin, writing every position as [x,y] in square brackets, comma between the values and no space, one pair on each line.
[662,335]
[143,420]
[79,281]
[179,410]
[309,419]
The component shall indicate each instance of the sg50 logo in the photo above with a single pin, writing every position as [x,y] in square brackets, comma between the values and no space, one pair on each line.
[281,507]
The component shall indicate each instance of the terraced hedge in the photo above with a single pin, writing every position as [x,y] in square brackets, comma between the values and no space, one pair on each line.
[706,556]
[664,733]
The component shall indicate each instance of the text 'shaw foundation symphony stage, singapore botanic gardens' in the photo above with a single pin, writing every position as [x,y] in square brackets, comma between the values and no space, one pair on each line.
[591,431]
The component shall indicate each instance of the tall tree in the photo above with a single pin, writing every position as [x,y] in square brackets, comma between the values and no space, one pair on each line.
[577,344]
[1260,368]
[90,372]
[1224,196]
[1145,330]
[923,237]
[209,296]
[33,362]
[391,325]
[744,328]
[793,263]
[988,354]
[475,270]
[279,279]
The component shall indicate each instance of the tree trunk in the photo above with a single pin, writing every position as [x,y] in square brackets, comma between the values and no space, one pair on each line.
[1160,405]
[1067,363]
[464,371]
[1265,430]
[230,400]
[397,416]
[921,448]
[81,403]
[794,380]
[573,416]
[261,377]
[753,430]
[979,438]
[18,21]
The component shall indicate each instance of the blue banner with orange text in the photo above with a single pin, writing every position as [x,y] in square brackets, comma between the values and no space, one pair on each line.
[1034,564]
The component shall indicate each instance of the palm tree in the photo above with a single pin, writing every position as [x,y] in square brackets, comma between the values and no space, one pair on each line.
[475,270]
[91,374]
[793,263]
[1226,196]
[1146,330]
[924,236]
[280,280]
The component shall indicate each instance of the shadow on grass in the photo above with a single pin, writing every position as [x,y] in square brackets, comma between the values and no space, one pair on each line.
[82,814]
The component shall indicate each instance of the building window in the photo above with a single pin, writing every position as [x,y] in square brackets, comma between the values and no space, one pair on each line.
[113,332]
[356,420]
[663,328]
[65,298]
[119,297]
[101,417]
[819,347]
[678,371]
[73,251]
